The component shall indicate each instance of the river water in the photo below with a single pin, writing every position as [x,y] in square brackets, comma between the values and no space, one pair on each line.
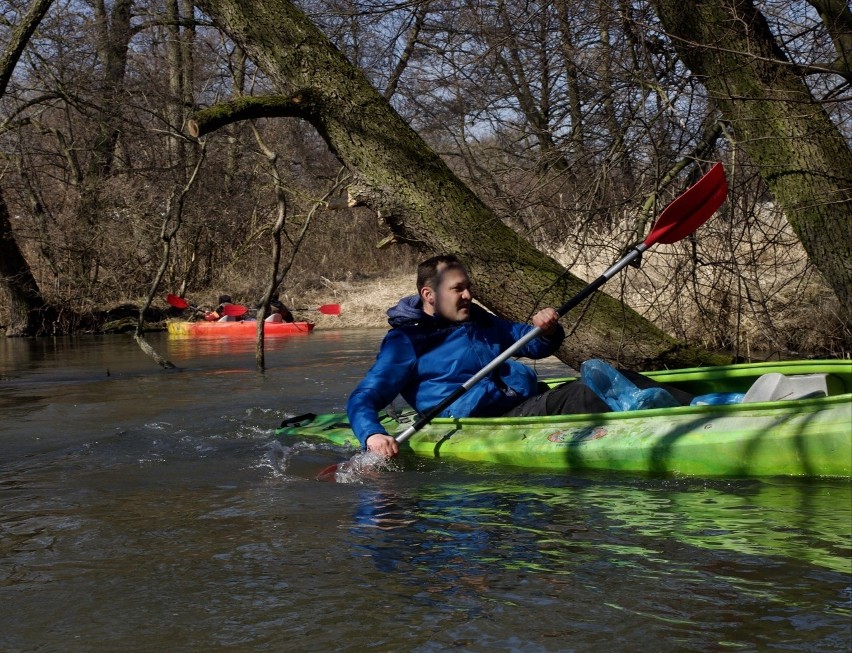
[147,510]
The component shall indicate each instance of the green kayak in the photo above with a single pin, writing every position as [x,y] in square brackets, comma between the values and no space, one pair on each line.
[806,433]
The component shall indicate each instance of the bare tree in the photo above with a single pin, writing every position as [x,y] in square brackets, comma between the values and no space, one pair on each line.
[395,173]
[801,154]
[573,123]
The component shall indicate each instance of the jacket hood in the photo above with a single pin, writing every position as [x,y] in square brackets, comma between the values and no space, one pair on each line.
[409,310]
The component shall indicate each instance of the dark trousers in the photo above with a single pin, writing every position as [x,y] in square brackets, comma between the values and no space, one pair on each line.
[576,397]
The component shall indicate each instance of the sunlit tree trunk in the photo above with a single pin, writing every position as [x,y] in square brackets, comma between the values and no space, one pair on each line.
[179,55]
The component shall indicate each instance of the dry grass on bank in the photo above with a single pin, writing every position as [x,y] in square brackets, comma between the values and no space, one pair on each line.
[738,285]
[783,309]
[362,303]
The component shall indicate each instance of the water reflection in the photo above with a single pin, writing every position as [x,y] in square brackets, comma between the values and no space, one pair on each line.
[188,347]
[532,527]
[696,560]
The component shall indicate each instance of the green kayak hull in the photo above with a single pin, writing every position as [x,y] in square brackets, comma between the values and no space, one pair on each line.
[807,437]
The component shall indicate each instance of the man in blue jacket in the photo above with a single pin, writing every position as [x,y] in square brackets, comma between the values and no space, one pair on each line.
[439,339]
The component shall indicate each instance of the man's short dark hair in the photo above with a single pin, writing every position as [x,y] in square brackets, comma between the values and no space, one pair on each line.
[429,270]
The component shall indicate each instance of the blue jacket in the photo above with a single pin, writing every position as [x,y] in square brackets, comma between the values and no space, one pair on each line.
[425,358]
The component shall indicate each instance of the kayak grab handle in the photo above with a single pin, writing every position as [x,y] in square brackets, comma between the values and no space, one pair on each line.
[298,420]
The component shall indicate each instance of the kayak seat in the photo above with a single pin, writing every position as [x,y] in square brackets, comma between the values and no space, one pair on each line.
[779,387]
[275,318]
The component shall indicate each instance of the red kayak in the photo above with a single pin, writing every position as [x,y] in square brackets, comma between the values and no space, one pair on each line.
[241,329]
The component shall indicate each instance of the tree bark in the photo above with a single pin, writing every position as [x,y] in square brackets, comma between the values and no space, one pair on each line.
[801,155]
[28,313]
[27,309]
[837,18]
[21,35]
[422,201]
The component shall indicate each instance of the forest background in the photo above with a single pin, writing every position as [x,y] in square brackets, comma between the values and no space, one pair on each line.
[574,122]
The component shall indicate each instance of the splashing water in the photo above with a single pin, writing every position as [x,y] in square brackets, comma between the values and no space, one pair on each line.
[363,466]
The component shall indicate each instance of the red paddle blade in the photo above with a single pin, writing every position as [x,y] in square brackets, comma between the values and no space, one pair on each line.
[329,309]
[234,309]
[177,302]
[691,209]
[328,474]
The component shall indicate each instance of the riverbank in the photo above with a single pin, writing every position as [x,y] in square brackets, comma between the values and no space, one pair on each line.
[363,303]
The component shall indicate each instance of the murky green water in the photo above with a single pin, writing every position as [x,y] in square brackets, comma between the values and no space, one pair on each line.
[141,510]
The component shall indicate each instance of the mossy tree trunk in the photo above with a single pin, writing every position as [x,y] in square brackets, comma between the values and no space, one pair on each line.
[802,156]
[28,312]
[411,188]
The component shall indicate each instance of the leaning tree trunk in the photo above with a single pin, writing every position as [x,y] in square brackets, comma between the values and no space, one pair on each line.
[802,156]
[417,195]
[28,313]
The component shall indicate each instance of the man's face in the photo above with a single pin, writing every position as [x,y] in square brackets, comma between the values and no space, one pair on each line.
[451,299]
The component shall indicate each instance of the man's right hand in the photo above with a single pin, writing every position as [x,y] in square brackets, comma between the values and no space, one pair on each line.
[383,444]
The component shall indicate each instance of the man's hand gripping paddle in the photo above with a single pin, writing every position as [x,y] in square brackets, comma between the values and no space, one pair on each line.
[678,220]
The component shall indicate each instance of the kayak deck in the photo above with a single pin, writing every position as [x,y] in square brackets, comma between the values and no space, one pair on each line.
[801,437]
